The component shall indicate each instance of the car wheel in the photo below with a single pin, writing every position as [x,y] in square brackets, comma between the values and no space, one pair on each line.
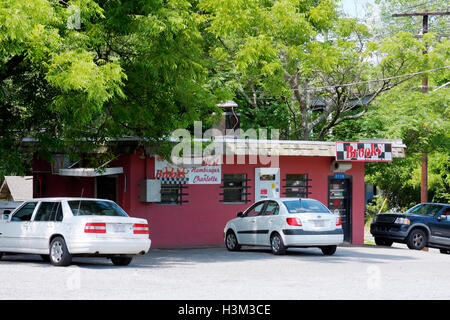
[231,242]
[417,239]
[383,242]
[444,251]
[328,250]
[277,245]
[121,261]
[59,254]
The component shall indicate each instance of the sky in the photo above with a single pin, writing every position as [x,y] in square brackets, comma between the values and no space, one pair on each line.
[355,8]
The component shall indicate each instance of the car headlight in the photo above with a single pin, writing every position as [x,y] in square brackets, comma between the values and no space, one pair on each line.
[402,221]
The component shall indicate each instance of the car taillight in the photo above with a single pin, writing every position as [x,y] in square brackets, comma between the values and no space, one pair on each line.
[95,227]
[140,228]
[294,222]
[338,222]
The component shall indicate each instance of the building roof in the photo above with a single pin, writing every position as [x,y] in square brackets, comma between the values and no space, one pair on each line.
[16,188]
[296,147]
[240,146]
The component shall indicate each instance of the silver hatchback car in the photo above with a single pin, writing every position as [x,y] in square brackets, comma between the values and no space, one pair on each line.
[282,223]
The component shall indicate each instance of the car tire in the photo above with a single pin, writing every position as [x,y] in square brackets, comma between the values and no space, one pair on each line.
[328,250]
[445,251]
[59,255]
[277,245]
[121,261]
[417,239]
[383,242]
[231,242]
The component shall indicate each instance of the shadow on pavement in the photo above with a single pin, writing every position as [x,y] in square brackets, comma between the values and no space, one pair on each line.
[170,258]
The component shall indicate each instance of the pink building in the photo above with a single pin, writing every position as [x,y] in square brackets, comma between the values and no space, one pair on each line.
[190,205]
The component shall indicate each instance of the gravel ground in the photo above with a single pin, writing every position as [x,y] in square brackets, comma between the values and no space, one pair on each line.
[365,272]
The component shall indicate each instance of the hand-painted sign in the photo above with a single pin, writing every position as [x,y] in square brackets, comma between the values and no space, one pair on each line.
[170,173]
[359,151]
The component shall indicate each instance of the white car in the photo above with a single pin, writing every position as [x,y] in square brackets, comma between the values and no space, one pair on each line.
[282,223]
[61,228]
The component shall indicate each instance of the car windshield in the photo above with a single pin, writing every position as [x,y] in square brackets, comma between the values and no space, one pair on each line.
[424,209]
[95,208]
[301,205]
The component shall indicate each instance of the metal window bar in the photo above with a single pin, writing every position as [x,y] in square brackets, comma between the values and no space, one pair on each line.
[299,189]
[179,194]
[243,195]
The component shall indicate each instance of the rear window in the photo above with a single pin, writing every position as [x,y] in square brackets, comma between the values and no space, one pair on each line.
[301,206]
[96,208]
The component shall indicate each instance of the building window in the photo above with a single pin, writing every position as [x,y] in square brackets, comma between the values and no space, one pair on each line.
[235,188]
[172,193]
[297,186]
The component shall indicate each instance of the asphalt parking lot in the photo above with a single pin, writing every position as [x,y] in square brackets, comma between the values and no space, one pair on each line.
[211,273]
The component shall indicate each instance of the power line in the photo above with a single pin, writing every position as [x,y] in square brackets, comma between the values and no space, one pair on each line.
[420,4]
[357,83]
[440,87]
[379,80]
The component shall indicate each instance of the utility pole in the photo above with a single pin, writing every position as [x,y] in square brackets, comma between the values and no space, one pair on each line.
[425,15]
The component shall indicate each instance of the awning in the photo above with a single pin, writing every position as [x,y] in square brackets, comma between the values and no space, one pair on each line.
[90,172]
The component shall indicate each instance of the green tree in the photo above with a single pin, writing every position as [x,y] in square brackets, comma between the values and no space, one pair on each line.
[75,74]
[302,54]
[419,119]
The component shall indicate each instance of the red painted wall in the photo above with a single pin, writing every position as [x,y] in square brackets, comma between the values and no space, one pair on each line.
[202,219]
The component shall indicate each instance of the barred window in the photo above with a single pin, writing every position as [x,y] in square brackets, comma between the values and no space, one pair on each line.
[172,193]
[297,185]
[235,188]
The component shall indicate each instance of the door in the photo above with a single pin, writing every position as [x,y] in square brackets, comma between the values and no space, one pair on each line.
[46,220]
[265,221]
[106,188]
[440,226]
[16,230]
[246,226]
[339,201]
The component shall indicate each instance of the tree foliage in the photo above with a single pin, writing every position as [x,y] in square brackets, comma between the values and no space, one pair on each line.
[75,76]
[421,120]
[306,56]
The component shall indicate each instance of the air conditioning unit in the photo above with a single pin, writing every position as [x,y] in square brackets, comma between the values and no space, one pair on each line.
[340,166]
[150,190]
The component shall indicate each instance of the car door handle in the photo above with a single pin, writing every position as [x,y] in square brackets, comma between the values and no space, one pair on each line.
[253,220]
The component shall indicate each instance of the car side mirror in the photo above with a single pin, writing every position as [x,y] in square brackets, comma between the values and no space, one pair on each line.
[5,215]
[240,214]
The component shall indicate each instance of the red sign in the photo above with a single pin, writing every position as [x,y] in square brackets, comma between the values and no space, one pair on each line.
[363,151]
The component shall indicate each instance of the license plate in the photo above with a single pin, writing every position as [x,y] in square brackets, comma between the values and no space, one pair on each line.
[319,223]
[118,228]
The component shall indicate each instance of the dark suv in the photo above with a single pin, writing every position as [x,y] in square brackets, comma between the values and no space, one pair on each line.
[424,225]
